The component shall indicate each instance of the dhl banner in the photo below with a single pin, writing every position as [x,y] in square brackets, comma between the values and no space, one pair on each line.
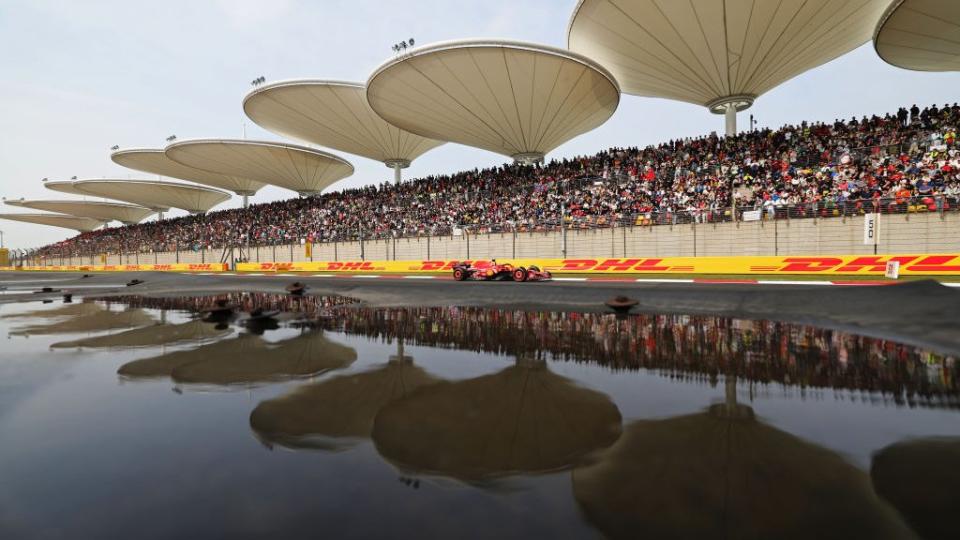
[179,267]
[931,265]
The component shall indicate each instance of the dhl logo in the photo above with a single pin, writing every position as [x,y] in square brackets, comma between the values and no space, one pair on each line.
[353,266]
[933,264]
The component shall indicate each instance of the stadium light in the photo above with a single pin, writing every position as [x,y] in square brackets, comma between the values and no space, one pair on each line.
[115,147]
[43,179]
[411,42]
[73,177]
[258,81]
[171,138]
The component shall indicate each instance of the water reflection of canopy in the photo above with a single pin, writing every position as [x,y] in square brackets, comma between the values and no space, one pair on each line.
[524,419]
[150,336]
[724,474]
[65,310]
[921,478]
[336,412]
[247,358]
[100,320]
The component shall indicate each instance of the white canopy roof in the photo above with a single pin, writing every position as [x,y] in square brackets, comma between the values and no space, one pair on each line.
[102,211]
[155,161]
[154,194]
[920,34]
[517,99]
[712,52]
[82,224]
[334,114]
[299,168]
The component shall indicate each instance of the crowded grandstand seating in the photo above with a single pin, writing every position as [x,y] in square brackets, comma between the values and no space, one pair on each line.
[902,162]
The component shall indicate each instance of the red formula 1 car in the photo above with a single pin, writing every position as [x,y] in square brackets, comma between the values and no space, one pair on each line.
[491,271]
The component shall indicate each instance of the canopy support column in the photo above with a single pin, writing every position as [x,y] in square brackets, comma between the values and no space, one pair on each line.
[730,114]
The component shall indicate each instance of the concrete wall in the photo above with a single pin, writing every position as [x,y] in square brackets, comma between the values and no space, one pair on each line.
[901,233]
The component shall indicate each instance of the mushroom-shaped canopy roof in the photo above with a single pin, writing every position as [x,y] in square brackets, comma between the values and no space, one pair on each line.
[710,52]
[155,161]
[920,34]
[64,186]
[305,170]
[334,114]
[82,224]
[99,210]
[517,99]
[154,194]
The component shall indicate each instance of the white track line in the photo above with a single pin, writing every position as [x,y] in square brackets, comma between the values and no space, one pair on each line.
[569,279]
[647,280]
[323,275]
[419,277]
[786,282]
[368,276]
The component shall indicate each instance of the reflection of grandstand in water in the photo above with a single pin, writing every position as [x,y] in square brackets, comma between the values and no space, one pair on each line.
[336,413]
[246,359]
[522,420]
[684,347]
[722,473]
[676,346]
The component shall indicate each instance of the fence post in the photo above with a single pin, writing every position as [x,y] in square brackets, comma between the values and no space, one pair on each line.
[177,252]
[466,234]
[428,247]
[291,252]
[203,256]
[513,230]
[940,205]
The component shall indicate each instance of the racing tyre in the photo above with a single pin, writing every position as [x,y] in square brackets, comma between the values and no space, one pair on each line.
[520,274]
[459,274]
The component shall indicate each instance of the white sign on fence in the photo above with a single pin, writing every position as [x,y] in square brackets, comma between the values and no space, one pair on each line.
[457,231]
[751,215]
[893,269]
[870,222]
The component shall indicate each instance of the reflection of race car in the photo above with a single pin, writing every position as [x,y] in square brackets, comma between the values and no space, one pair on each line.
[503,272]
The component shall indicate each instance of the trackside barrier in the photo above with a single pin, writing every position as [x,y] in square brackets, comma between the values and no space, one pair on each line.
[931,265]
[183,267]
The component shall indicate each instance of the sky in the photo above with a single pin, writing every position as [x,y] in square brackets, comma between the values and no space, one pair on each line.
[78,77]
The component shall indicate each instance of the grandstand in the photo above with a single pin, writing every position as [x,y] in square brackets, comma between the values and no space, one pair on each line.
[895,163]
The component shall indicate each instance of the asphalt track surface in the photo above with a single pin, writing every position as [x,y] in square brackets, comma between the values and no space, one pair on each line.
[921,313]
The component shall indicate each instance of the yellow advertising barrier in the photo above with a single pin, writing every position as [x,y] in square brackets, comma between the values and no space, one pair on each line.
[179,267]
[833,265]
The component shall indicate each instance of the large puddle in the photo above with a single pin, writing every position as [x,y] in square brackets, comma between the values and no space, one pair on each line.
[153,418]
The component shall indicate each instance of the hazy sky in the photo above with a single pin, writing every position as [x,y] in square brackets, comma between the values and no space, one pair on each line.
[77,77]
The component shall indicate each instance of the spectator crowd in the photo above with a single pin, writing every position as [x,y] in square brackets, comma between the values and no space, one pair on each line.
[888,163]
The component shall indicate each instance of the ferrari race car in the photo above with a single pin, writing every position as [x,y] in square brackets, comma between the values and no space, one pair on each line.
[498,272]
